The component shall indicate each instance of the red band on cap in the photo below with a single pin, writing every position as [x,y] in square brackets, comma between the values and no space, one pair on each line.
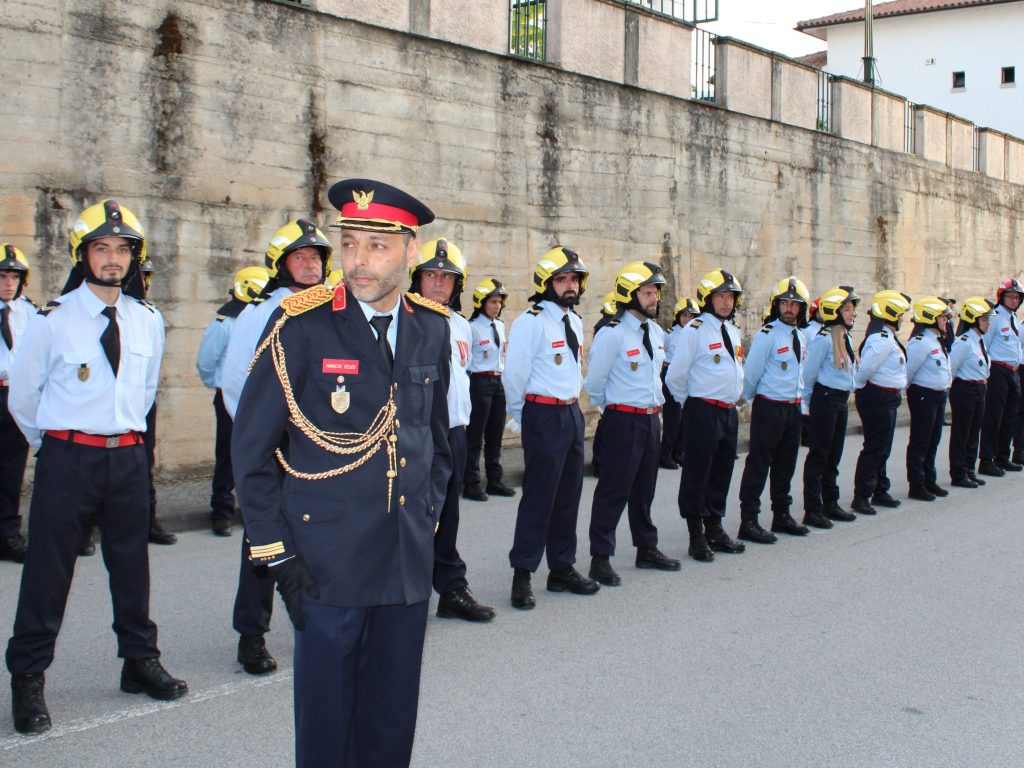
[378,211]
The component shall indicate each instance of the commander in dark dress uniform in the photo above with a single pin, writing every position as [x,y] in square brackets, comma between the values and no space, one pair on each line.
[341,458]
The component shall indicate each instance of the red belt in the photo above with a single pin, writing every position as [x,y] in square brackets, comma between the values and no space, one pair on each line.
[717,403]
[972,381]
[631,409]
[485,373]
[1005,365]
[549,400]
[797,401]
[879,386]
[96,441]
[3,382]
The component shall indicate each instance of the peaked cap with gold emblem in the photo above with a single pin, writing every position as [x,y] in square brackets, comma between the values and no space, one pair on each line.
[374,206]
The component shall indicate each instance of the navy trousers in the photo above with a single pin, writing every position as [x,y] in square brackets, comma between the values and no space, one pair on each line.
[967,404]
[630,446]
[13,457]
[449,567]
[486,428]
[774,445]
[671,421]
[1001,398]
[877,409]
[552,486]
[73,485]
[357,682]
[149,441]
[830,411]
[222,500]
[709,454]
[927,410]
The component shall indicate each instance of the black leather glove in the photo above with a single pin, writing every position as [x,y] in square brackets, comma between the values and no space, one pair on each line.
[293,578]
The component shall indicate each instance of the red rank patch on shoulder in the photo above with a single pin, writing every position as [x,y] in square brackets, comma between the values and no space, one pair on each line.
[782,350]
[557,344]
[340,298]
[632,352]
[351,367]
[716,345]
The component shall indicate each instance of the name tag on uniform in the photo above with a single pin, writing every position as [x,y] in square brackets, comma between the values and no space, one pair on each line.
[1004,330]
[935,352]
[716,345]
[632,353]
[350,367]
[557,344]
[783,350]
[485,341]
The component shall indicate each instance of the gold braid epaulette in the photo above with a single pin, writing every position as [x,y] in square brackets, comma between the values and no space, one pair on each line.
[423,301]
[361,445]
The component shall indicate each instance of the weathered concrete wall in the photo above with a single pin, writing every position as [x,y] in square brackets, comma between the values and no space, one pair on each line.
[1014,160]
[960,144]
[743,78]
[796,86]
[664,56]
[992,153]
[216,122]
[888,120]
[930,133]
[851,110]
[587,36]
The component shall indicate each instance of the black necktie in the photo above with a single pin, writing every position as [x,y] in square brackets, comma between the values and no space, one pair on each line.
[984,352]
[728,342]
[497,338]
[380,324]
[5,327]
[796,345]
[647,339]
[849,348]
[570,337]
[1013,324]
[111,339]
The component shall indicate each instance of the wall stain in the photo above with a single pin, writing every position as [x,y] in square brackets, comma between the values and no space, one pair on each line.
[171,99]
[317,149]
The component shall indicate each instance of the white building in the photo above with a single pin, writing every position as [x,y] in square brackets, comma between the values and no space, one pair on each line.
[965,57]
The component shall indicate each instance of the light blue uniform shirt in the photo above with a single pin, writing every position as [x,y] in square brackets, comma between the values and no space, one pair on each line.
[927,364]
[820,366]
[966,358]
[539,360]
[459,405]
[620,371]
[701,365]
[21,311]
[213,350]
[813,326]
[675,333]
[882,362]
[1003,338]
[245,337]
[774,368]
[486,354]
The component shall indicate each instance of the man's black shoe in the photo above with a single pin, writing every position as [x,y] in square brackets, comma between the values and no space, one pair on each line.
[474,493]
[833,511]
[964,482]
[700,551]
[782,522]
[975,479]
[148,676]
[817,520]
[460,604]
[666,462]
[221,526]
[254,656]
[990,468]
[1018,457]
[571,580]
[920,493]
[522,591]
[28,706]
[751,530]
[652,557]
[13,548]
[884,499]
[1008,466]
[862,506]
[498,488]
[157,534]
[719,540]
[601,571]
[936,489]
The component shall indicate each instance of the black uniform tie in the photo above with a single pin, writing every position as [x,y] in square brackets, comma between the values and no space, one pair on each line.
[5,327]
[570,337]
[984,352]
[796,345]
[111,339]
[497,338]
[647,339]
[380,324]
[849,348]
[1013,324]
[728,342]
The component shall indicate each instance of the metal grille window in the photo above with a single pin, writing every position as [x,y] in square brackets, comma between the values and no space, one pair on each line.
[703,54]
[528,26]
[692,11]
[824,101]
[909,128]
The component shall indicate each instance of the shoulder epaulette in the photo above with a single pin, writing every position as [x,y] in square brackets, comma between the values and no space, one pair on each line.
[303,301]
[145,303]
[613,322]
[423,301]
[917,336]
[884,334]
[576,313]
[258,300]
[30,302]
[694,324]
[220,318]
[822,331]
[50,306]
[767,328]
[536,309]
[963,338]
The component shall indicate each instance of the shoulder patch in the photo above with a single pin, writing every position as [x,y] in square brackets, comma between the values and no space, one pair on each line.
[535,310]
[694,324]
[917,336]
[613,322]
[963,338]
[50,306]
[823,331]
[884,334]
[423,301]
[28,301]
[220,318]
[767,328]
[303,301]
[145,303]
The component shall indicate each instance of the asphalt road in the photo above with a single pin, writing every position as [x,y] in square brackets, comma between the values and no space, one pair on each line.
[890,641]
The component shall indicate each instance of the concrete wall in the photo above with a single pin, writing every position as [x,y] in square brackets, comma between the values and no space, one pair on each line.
[743,78]
[960,144]
[851,110]
[228,120]
[587,36]
[888,120]
[795,93]
[992,153]
[930,133]
[1014,160]
[664,51]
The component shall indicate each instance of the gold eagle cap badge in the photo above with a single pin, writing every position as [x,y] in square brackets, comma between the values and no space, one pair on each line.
[363,199]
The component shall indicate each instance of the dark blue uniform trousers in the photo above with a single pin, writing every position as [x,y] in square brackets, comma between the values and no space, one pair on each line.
[1018,428]
[774,445]
[927,410]
[13,457]
[967,404]
[149,441]
[877,409]
[73,484]
[357,682]
[449,568]
[830,411]
[552,486]
[486,428]
[709,453]
[671,420]
[222,501]
[1001,398]
[630,446]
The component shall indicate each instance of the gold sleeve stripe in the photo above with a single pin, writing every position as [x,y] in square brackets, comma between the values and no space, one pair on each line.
[267,550]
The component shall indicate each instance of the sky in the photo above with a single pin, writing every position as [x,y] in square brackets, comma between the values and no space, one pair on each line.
[769,24]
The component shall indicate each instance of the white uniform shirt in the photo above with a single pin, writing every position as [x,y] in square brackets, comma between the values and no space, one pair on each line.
[927,364]
[459,406]
[702,366]
[486,353]
[675,333]
[61,378]
[539,360]
[620,371]
[21,311]
[213,351]
[882,362]
[245,337]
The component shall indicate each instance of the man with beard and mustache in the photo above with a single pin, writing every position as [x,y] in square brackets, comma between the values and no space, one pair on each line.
[298,256]
[773,385]
[706,379]
[624,382]
[341,456]
[543,375]
[81,384]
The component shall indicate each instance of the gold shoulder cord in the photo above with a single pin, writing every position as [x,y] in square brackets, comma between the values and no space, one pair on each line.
[363,445]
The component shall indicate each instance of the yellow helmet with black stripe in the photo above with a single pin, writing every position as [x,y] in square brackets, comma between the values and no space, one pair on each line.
[298,233]
[13,260]
[557,261]
[973,308]
[250,282]
[832,300]
[487,288]
[928,310]
[715,281]
[889,305]
[687,305]
[107,218]
[634,276]
[444,256]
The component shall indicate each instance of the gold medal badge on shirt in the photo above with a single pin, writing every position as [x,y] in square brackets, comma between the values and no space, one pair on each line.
[340,397]
[718,359]
[83,372]
[558,358]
